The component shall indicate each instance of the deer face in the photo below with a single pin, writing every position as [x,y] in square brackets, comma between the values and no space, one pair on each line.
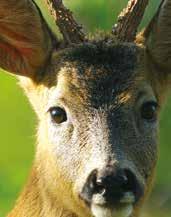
[97,104]
[98,125]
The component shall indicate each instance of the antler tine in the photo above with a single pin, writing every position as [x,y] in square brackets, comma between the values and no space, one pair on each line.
[71,31]
[129,20]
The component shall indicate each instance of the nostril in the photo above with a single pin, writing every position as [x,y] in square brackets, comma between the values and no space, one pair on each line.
[89,188]
[92,179]
[100,187]
[131,181]
[133,184]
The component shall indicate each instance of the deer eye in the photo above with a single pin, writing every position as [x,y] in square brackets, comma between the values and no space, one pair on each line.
[149,111]
[58,115]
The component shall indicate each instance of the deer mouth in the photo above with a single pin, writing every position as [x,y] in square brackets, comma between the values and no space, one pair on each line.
[104,207]
[103,211]
[115,195]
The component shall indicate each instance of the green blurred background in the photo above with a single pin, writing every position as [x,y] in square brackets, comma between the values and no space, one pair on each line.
[17,120]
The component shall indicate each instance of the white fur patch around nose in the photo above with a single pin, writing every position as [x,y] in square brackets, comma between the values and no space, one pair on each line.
[100,211]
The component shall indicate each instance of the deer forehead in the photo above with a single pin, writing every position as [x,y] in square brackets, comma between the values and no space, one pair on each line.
[92,75]
[93,69]
[96,74]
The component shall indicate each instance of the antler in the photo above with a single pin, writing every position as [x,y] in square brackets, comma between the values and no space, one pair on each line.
[71,31]
[129,20]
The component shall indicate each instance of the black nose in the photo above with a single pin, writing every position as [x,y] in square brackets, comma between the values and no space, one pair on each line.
[112,184]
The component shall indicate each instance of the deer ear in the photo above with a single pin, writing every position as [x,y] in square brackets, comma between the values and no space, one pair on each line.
[25,40]
[158,37]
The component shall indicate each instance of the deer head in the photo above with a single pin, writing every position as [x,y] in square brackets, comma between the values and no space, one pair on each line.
[98,103]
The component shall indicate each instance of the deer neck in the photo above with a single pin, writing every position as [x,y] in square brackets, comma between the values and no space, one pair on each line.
[34,202]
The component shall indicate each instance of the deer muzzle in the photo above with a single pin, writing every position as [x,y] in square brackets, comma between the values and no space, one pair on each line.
[111,188]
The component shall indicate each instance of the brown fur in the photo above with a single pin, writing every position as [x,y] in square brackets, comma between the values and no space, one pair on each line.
[102,85]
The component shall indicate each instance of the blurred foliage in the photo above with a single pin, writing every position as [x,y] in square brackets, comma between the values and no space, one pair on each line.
[17,128]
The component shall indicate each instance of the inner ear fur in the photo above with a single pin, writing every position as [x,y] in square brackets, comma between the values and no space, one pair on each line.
[157,37]
[25,39]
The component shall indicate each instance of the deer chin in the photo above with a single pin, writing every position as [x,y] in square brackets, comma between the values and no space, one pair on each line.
[124,208]
[102,211]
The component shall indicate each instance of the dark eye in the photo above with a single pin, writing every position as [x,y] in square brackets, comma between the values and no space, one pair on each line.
[149,111]
[58,115]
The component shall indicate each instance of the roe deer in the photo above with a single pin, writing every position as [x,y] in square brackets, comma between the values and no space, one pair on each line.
[97,101]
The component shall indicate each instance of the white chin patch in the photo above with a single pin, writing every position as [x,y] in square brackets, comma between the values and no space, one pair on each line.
[100,211]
